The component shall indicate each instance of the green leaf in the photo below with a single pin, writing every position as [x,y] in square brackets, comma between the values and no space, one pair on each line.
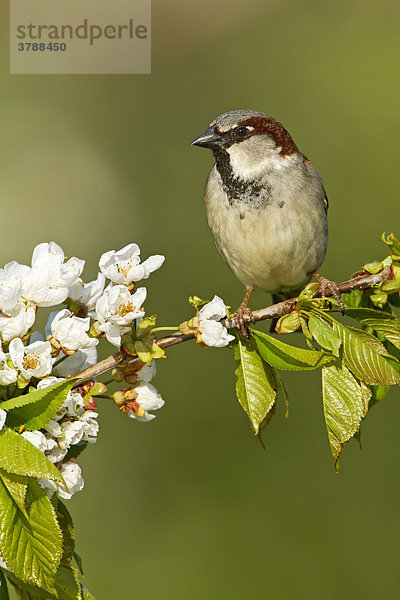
[324,334]
[353,299]
[378,393]
[288,323]
[16,486]
[373,267]
[128,344]
[379,298]
[372,341]
[147,350]
[143,351]
[31,547]
[86,595]
[255,383]
[35,409]
[19,456]
[3,587]
[286,357]
[392,242]
[197,302]
[364,360]
[345,404]
[67,528]
[393,284]
[394,300]
[145,326]
[67,584]
[384,323]
[308,292]
[27,591]
[264,423]
[157,351]
[78,561]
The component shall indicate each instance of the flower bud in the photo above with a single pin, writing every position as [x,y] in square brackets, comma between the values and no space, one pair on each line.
[95,330]
[55,346]
[189,327]
[125,399]
[128,371]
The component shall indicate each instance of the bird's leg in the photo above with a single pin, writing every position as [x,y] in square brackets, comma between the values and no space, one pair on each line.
[325,285]
[244,311]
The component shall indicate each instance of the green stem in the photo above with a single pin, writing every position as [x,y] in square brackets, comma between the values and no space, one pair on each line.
[58,362]
[174,328]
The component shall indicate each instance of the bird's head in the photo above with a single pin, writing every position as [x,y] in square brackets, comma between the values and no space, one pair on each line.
[254,141]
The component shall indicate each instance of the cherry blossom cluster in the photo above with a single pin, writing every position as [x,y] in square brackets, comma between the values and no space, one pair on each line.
[91,312]
[84,314]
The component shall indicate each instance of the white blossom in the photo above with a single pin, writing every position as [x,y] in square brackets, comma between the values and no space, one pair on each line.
[3,417]
[54,428]
[124,266]
[70,331]
[90,426]
[116,310]
[148,398]
[48,485]
[72,475]
[72,433]
[49,257]
[72,406]
[83,429]
[212,332]
[11,284]
[33,360]
[82,359]
[17,322]
[48,381]
[147,372]
[53,452]
[8,375]
[87,293]
[47,282]
[37,438]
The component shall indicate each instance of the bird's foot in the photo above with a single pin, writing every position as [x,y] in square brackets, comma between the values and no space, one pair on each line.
[243,317]
[243,314]
[326,285]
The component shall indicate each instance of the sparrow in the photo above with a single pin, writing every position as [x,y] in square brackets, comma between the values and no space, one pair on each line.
[266,205]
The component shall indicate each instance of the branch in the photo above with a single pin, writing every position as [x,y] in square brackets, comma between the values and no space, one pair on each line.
[359,282]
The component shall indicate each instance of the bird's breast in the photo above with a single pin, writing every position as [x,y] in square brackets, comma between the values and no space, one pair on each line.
[275,245]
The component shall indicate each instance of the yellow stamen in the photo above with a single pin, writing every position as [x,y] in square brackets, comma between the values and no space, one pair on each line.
[31,361]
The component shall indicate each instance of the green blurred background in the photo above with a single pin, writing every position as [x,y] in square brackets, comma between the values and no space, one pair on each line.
[190,506]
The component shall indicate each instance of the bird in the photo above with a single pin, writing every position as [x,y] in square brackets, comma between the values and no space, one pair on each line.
[266,206]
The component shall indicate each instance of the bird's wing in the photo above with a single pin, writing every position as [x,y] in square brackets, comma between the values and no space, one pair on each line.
[325,198]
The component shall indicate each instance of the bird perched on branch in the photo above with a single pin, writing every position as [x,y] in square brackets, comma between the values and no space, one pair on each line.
[266,205]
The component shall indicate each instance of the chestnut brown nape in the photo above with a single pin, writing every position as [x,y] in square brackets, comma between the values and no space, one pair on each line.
[281,137]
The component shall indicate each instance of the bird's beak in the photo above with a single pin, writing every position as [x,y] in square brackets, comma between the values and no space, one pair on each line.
[209,139]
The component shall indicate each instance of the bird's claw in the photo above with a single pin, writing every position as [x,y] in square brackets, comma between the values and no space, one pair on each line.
[326,285]
[243,317]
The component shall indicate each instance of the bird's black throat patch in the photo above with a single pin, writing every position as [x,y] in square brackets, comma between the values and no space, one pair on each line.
[249,192]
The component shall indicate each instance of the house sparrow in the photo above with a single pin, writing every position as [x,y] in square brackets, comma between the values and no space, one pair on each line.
[266,204]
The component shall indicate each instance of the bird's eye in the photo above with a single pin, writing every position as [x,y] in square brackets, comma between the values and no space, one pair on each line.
[240,131]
